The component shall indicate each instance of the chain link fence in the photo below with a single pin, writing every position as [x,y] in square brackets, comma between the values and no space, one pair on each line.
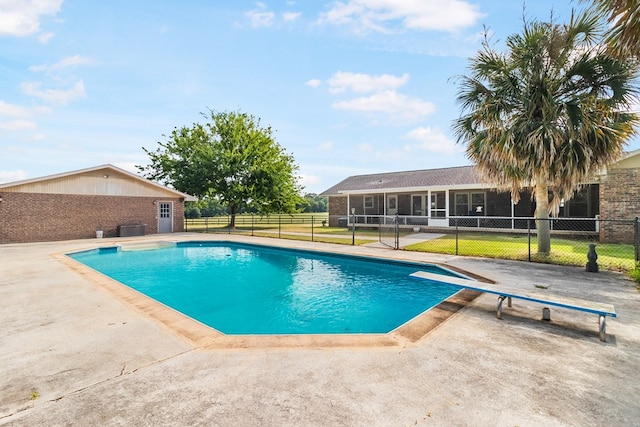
[617,242]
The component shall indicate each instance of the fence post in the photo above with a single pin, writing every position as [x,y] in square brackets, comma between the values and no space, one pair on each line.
[252,222]
[279,226]
[456,236]
[529,237]
[353,226]
[396,242]
[206,224]
[637,235]
[312,228]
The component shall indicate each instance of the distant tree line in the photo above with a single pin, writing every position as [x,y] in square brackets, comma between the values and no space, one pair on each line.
[310,203]
[313,203]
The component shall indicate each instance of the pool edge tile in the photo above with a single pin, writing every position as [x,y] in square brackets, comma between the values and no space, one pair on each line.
[208,338]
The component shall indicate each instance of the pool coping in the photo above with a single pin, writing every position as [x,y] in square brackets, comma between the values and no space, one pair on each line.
[206,337]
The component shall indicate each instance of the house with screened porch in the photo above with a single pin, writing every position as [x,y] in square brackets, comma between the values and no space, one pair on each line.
[456,197]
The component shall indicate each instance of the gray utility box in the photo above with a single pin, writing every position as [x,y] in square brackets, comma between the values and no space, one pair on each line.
[132,230]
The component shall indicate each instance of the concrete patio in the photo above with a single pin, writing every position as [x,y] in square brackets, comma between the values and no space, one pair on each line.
[73,353]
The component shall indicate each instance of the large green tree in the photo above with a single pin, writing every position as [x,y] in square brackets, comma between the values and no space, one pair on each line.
[230,158]
[548,113]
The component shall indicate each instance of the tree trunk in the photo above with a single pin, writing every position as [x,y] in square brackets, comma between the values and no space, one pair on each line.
[232,220]
[542,217]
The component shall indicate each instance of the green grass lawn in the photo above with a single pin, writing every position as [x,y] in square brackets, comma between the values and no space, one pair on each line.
[504,246]
[346,240]
[293,227]
[563,251]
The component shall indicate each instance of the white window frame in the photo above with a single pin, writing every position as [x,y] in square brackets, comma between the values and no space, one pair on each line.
[368,202]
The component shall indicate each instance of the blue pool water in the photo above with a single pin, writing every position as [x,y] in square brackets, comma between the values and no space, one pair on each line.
[250,289]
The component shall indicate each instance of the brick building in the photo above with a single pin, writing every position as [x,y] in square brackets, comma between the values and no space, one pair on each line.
[620,198]
[82,203]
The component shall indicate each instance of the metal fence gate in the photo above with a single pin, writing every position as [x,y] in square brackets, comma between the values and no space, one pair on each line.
[389,231]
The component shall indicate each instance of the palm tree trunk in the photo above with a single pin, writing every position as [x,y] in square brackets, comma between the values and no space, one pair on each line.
[542,216]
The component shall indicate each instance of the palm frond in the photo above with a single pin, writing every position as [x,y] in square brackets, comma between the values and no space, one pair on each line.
[550,110]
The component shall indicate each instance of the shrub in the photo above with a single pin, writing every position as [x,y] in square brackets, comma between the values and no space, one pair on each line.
[192,212]
[635,273]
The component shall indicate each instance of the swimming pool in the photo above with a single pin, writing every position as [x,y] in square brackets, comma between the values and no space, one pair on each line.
[240,288]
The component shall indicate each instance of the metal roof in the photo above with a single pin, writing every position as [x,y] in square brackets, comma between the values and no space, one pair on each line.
[380,182]
[420,180]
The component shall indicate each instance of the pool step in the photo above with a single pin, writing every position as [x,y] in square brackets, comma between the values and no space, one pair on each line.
[147,246]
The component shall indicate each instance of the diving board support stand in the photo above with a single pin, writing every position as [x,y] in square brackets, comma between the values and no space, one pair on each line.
[601,309]
[500,301]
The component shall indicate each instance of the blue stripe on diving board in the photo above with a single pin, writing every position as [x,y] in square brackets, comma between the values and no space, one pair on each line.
[473,285]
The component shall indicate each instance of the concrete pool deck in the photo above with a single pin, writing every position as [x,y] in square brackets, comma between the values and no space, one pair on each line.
[71,352]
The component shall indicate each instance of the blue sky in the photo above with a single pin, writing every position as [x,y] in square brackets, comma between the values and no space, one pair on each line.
[350,87]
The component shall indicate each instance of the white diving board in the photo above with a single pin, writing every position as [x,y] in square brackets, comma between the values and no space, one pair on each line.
[601,309]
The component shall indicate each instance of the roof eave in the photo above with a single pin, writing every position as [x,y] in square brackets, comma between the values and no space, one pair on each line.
[185,196]
[419,189]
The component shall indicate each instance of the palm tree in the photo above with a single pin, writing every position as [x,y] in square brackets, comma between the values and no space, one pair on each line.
[548,113]
[623,37]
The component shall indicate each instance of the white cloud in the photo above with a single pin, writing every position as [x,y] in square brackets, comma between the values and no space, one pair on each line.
[314,83]
[22,118]
[45,37]
[260,16]
[382,15]
[398,107]
[434,141]
[55,96]
[291,16]
[384,99]
[328,174]
[326,146]
[17,125]
[10,176]
[309,180]
[128,166]
[22,18]
[342,13]
[37,136]
[70,61]
[364,83]
[41,109]
[12,110]
[365,148]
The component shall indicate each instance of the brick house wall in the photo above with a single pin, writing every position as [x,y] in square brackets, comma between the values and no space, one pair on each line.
[337,209]
[34,217]
[619,200]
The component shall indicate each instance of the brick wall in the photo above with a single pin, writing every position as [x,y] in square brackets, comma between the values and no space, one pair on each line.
[178,216]
[35,217]
[619,200]
[337,209]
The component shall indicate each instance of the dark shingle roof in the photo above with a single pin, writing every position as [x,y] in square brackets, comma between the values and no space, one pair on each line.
[408,179]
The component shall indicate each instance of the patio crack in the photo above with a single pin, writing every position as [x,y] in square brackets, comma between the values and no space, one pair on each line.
[122,373]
